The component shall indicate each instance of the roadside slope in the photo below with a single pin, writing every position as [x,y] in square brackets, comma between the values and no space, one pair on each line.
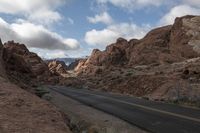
[22,112]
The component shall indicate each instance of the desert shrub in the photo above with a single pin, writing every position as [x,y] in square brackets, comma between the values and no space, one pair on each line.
[129,74]
[47,96]
[40,91]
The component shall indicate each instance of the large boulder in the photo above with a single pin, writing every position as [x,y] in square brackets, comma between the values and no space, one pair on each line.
[58,68]
[185,37]
[21,64]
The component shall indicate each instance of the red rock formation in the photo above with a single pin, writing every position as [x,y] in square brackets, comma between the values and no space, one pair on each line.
[160,46]
[73,65]
[2,70]
[58,68]
[29,111]
[156,66]
[23,65]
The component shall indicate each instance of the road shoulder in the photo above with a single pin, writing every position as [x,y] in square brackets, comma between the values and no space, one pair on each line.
[84,118]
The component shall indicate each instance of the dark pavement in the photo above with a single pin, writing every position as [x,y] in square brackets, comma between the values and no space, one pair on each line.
[151,116]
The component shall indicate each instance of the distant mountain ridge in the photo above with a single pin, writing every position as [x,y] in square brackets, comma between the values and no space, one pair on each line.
[67,60]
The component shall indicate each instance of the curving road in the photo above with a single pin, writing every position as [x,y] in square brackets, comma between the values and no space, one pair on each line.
[151,116]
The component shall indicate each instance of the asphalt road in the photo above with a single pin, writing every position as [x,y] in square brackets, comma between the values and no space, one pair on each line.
[151,116]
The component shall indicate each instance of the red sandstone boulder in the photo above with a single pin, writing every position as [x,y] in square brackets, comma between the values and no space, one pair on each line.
[58,68]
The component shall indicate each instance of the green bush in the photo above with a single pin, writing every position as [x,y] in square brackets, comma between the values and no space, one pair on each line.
[129,74]
[47,96]
[40,91]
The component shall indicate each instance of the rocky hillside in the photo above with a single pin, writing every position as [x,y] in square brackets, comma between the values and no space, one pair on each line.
[22,65]
[58,68]
[161,65]
[21,111]
[163,45]
[2,70]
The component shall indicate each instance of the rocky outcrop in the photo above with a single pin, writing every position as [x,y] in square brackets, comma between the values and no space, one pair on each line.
[58,68]
[18,57]
[163,45]
[20,110]
[23,65]
[74,64]
[1,51]
[160,65]
[2,70]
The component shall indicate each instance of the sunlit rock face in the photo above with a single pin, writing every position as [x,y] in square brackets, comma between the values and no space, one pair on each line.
[163,45]
[22,66]
[19,58]
[58,68]
[164,62]
[192,27]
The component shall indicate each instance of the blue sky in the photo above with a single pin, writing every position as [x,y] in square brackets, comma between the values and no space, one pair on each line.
[61,28]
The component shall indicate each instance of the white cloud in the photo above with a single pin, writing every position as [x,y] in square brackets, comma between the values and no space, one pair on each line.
[132,4]
[44,17]
[102,37]
[178,11]
[34,10]
[111,33]
[72,43]
[195,3]
[35,36]
[103,18]
[49,54]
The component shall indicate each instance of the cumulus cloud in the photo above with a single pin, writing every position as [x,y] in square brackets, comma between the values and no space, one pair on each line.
[49,54]
[35,36]
[103,18]
[195,3]
[109,35]
[132,4]
[179,11]
[44,17]
[34,10]
[52,54]
[102,37]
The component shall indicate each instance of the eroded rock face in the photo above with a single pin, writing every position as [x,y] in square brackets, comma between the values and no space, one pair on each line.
[58,68]
[22,64]
[18,56]
[163,45]
[2,70]
[184,37]
[74,64]
[165,62]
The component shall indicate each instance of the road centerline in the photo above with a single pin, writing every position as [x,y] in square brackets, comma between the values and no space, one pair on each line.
[143,107]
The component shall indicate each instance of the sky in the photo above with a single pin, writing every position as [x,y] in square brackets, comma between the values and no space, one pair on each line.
[73,28]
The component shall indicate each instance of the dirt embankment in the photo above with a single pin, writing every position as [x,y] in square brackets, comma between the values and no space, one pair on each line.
[22,112]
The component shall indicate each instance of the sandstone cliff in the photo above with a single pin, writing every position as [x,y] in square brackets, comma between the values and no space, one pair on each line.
[161,65]
[21,111]
[58,68]
[23,65]
[163,45]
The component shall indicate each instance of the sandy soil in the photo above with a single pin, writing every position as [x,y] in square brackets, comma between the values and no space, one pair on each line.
[22,112]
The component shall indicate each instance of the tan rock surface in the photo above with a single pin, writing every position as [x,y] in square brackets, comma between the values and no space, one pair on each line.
[58,68]
[161,65]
